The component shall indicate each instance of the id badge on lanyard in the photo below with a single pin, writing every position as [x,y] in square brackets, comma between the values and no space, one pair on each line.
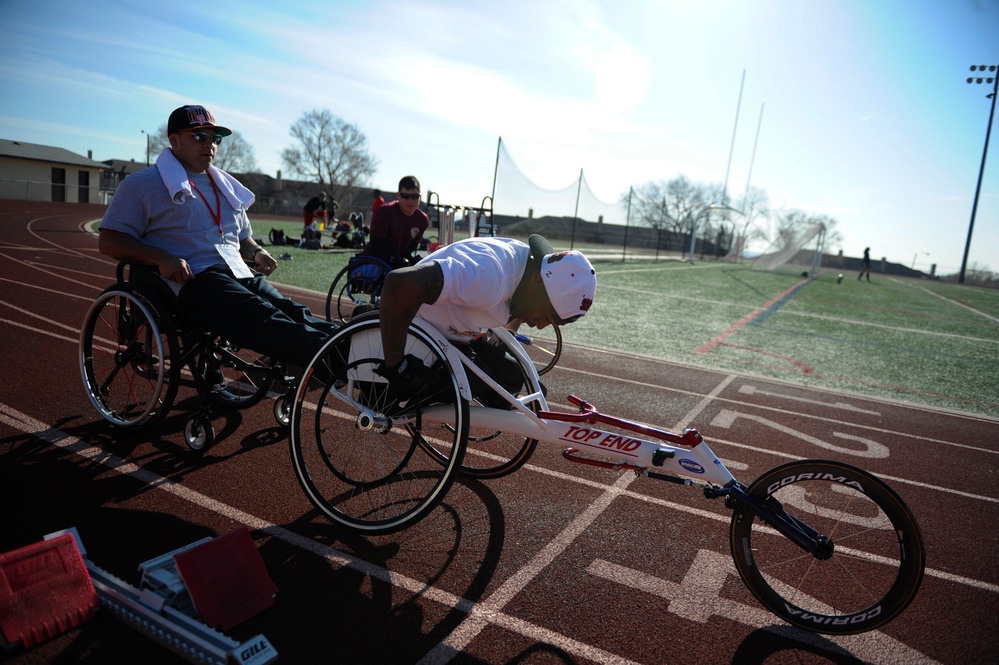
[229,253]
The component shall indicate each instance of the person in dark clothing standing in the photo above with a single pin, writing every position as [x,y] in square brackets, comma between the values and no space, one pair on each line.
[865,265]
[316,208]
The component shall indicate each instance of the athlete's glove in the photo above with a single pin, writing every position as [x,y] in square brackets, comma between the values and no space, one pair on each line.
[409,380]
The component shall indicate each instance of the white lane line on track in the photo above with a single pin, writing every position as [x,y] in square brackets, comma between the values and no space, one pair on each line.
[469,629]
[57,324]
[698,598]
[28,425]
[895,479]
[55,291]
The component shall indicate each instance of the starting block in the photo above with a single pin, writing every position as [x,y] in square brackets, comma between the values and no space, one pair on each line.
[51,587]
[45,590]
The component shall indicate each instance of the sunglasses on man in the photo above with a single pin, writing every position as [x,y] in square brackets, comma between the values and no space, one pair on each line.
[201,137]
[409,197]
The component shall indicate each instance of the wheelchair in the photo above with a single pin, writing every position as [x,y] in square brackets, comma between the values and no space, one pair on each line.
[136,349]
[824,545]
[358,283]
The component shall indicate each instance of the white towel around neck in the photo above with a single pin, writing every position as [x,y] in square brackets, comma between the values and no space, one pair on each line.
[178,183]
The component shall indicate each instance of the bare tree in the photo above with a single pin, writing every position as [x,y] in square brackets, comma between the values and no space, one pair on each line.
[157,142]
[331,151]
[683,199]
[755,204]
[234,154]
[667,205]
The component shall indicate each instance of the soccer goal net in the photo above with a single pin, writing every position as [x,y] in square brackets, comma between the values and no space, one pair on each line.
[796,249]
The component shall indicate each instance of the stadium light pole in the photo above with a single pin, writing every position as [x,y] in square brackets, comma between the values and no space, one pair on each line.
[914,256]
[705,209]
[994,80]
[147,145]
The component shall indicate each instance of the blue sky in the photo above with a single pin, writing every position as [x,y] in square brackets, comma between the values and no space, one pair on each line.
[867,114]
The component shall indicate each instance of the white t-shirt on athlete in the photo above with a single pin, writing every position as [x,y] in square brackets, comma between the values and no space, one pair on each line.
[480,276]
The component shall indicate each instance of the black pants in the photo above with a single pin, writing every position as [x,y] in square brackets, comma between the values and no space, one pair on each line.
[252,314]
[490,355]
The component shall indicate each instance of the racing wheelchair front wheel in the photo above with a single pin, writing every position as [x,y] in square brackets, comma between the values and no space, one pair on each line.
[355,453]
[543,351]
[869,568]
[126,357]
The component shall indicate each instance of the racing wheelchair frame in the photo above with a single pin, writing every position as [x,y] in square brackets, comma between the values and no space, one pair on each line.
[824,545]
[136,349]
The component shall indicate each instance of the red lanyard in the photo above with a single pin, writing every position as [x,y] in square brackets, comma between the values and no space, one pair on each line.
[217,213]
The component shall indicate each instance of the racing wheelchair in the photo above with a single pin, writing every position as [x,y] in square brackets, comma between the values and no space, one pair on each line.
[136,349]
[822,544]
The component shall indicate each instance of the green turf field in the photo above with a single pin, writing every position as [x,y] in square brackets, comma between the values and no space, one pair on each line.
[914,340]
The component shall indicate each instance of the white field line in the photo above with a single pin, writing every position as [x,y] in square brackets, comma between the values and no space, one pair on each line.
[951,301]
[821,317]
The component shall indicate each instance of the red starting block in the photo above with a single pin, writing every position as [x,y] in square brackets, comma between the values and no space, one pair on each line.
[227,579]
[45,590]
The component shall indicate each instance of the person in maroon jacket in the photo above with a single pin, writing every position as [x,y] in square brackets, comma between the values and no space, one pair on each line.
[397,227]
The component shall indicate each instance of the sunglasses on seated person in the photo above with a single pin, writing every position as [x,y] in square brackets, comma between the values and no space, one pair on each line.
[201,137]
[409,197]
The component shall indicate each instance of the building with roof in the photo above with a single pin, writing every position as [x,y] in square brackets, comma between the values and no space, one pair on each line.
[33,172]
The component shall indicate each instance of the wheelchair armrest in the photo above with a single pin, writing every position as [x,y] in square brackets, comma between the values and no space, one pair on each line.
[148,276]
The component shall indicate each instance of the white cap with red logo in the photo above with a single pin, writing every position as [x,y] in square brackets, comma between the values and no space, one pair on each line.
[570,280]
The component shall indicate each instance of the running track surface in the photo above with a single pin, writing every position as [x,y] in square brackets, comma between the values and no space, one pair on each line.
[504,571]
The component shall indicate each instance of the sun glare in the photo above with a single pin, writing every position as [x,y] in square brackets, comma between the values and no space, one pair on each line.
[622,79]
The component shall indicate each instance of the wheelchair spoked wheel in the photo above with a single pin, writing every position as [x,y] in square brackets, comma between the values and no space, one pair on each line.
[246,376]
[871,569]
[126,351]
[358,283]
[489,453]
[360,463]
[543,351]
